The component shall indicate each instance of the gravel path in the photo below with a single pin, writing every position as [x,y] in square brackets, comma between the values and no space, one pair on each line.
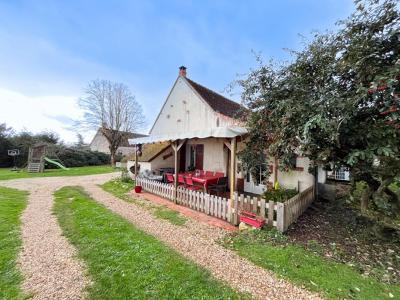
[52,271]
[198,242]
[48,262]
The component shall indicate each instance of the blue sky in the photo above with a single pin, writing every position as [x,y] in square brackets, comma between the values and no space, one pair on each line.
[49,50]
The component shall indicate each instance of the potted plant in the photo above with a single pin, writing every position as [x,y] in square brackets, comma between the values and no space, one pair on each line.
[138,189]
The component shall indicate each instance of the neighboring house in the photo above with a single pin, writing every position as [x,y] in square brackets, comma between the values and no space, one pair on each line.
[340,174]
[205,126]
[99,143]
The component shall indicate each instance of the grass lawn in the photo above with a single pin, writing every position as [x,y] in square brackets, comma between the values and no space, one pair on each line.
[335,280]
[126,263]
[121,189]
[12,203]
[6,173]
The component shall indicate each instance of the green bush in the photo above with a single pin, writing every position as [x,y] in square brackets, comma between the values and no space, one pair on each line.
[125,176]
[280,195]
[73,157]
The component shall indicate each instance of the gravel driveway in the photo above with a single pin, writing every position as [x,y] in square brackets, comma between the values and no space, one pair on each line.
[52,270]
[197,242]
[48,262]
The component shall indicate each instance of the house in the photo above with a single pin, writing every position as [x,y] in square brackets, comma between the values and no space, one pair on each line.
[203,130]
[99,143]
[341,174]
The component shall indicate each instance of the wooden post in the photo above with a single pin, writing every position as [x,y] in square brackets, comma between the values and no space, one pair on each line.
[136,164]
[175,147]
[232,174]
[280,217]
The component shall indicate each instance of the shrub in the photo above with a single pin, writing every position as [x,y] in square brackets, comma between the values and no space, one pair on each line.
[125,176]
[73,157]
[279,195]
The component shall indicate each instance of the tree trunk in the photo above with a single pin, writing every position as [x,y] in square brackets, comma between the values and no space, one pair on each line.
[112,158]
[365,199]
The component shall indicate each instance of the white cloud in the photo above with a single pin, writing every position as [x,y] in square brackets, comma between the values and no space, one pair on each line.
[40,113]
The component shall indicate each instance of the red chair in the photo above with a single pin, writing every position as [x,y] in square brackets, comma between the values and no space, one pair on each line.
[201,172]
[209,173]
[181,179]
[170,178]
[191,186]
[219,174]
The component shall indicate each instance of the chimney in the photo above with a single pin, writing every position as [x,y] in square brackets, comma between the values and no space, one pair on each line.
[182,71]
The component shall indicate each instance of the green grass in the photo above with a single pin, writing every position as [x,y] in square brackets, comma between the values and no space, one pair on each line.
[126,263]
[120,189]
[170,215]
[12,203]
[333,280]
[6,173]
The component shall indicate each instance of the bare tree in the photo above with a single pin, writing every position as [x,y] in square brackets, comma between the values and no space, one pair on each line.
[112,107]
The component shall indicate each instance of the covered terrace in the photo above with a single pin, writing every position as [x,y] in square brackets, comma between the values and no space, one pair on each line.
[220,151]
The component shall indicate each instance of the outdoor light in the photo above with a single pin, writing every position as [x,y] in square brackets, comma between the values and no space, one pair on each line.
[139,149]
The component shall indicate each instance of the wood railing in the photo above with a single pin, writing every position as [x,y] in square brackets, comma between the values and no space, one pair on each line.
[289,211]
[276,214]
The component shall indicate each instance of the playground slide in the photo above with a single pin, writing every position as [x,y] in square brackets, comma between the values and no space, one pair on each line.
[55,163]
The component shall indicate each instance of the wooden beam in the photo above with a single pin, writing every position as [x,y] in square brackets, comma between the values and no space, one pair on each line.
[179,146]
[232,174]
[227,144]
[176,162]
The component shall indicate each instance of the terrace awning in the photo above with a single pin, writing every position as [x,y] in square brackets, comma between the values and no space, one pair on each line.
[218,132]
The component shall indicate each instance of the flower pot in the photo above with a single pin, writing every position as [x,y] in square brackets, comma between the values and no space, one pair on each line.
[138,189]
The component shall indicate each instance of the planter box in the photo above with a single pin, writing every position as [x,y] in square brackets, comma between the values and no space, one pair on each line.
[251,219]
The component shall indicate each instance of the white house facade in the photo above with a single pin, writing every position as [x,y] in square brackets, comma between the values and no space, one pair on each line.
[205,124]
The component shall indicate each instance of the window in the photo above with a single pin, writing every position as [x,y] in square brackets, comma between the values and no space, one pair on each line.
[293,162]
[258,175]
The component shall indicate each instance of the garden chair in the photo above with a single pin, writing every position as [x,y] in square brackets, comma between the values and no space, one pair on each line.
[191,186]
[220,187]
[181,180]
[170,178]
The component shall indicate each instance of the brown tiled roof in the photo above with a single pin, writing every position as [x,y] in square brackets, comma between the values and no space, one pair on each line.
[217,102]
[151,151]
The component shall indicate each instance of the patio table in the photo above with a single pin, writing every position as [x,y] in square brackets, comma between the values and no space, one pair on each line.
[205,181]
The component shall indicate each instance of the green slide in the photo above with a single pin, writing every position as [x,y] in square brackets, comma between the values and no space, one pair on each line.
[55,163]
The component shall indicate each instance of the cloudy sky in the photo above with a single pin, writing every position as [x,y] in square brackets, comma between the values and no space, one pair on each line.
[49,50]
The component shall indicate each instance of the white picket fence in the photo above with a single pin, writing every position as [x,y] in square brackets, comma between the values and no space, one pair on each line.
[158,188]
[277,214]
[209,204]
